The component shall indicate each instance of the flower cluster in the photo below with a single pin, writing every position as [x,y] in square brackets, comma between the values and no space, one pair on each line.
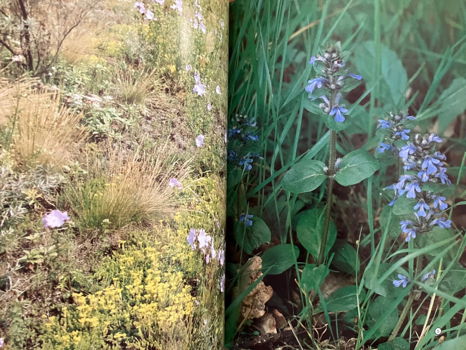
[395,129]
[332,80]
[148,14]
[198,21]
[55,219]
[240,134]
[423,164]
[199,239]
[199,88]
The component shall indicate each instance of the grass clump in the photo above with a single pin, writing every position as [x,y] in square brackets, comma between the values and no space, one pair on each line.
[127,188]
[41,130]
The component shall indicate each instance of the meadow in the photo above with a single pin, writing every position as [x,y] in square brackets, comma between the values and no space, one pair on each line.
[346,175]
[112,174]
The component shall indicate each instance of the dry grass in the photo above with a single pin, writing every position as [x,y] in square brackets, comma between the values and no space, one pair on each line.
[42,131]
[136,87]
[130,187]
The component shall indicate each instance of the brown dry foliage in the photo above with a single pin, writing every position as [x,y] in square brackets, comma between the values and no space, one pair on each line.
[43,131]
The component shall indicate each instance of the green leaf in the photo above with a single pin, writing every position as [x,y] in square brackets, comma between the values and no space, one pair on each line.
[371,276]
[377,310]
[346,258]
[395,344]
[304,176]
[279,258]
[453,103]
[343,299]
[454,279]
[393,226]
[404,206]
[453,344]
[313,276]
[437,234]
[309,230]
[252,237]
[355,167]
[394,80]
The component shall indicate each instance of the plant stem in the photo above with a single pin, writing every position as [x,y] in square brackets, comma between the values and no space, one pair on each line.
[331,173]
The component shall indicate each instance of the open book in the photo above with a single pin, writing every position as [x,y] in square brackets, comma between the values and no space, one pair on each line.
[248,174]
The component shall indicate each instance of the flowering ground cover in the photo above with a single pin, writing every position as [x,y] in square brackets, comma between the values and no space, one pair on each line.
[346,175]
[112,122]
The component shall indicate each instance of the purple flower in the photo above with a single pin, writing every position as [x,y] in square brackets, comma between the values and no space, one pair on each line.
[246,163]
[173,182]
[422,208]
[209,107]
[140,7]
[315,83]
[439,203]
[246,219]
[178,6]
[401,281]
[200,141]
[434,138]
[407,227]
[192,238]
[251,137]
[2,342]
[410,117]
[411,189]
[428,275]
[203,239]
[429,165]
[355,76]
[188,67]
[406,151]
[442,175]
[55,218]
[383,147]
[339,113]
[221,257]
[199,88]
[385,124]
[441,222]
[403,134]
[150,15]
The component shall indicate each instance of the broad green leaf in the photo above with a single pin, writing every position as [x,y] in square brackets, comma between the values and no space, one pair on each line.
[279,258]
[378,309]
[343,299]
[394,80]
[309,230]
[454,280]
[404,206]
[371,276]
[453,103]
[346,258]
[313,276]
[437,234]
[304,176]
[395,344]
[453,344]
[252,237]
[355,167]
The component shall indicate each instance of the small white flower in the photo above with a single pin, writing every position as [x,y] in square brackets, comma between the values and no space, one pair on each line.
[178,6]
[150,15]
[438,331]
[200,141]
[160,2]
[209,107]
[199,88]
[188,67]
[218,90]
